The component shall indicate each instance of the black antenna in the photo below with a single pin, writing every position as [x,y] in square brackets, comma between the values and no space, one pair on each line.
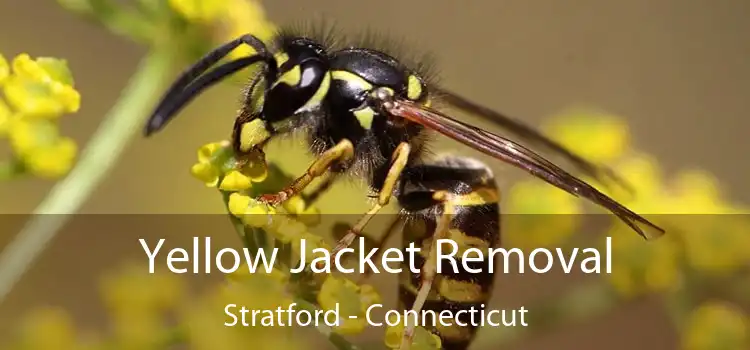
[191,82]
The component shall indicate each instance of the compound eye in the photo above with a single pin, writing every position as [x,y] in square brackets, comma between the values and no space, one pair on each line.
[416,90]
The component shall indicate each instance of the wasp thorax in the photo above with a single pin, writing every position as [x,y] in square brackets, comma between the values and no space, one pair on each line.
[302,80]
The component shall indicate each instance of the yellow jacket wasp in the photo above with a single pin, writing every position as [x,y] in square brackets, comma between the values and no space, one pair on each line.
[366,114]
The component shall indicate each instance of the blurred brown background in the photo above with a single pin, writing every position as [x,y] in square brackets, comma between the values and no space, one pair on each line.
[677,70]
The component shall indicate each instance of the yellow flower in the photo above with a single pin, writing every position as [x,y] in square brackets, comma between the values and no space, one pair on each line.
[288,230]
[244,17]
[44,69]
[201,11]
[4,69]
[651,195]
[693,212]
[137,328]
[715,239]
[690,192]
[28,135]
[205,326]
[205,172]
[48,329]
[277,276]
[132,287]
[52,161]
[715,243]
[312,242]
[233,18]
[215,161]
[696,192]
[250,211]
[253,165]
[310,217]
[640,266]
[596,136]
[642,172]
[423,339]
[296,206]
[537,197]
[38,92]
[208,168]
[235,181]
[207,151]
[352,300]
[717,325]
[6,116]
[540,215]
[42,87]
[238,204]
[41,148]
[138,300]
[273,285]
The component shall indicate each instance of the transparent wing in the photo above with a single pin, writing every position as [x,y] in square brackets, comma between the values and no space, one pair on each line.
[519,156]
[526,133]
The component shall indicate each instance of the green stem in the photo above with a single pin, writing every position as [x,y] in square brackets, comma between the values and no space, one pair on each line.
[120,125]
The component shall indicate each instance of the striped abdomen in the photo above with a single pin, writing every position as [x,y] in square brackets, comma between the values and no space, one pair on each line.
[475,223]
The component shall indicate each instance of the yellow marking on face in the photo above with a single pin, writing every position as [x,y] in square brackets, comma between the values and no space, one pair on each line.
[291,77]
[365,117]
[321,93]
[351,78]
[478,197]
[281,58]
[428,102]
[258,96]
[252,134]
[413,88]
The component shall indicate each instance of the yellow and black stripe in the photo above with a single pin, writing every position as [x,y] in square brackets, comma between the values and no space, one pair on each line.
[473,205]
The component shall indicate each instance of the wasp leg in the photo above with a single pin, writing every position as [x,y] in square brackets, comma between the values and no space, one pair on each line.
[314,195]
[398,163]
[429,268]
[341,152]
[379,245]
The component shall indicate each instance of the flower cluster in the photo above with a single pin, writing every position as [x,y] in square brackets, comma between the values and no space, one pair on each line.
[189,27]
[688,205]
[353,301]
[717,325]
[37,92]
[241,181]
[706,235]
[154,311]
[231,18]
[550,216]
[703,235]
